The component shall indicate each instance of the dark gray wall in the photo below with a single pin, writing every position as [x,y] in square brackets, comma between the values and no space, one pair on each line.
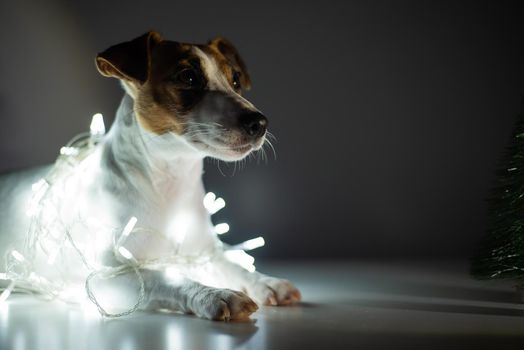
[390,116]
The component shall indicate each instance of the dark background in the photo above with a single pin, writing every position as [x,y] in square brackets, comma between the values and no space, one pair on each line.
[390,116]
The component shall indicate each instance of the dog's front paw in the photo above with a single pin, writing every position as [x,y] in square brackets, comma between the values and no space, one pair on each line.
[274,291]
[223,305]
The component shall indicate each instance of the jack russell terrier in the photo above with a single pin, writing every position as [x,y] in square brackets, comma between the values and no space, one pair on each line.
[183,103]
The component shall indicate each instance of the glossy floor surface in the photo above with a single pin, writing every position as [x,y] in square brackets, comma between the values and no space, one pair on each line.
[350,305]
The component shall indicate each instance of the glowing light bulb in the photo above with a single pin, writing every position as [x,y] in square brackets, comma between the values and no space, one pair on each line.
[222,228]
[209,199]
[39,189]
[250,244]
[212,203]
[241,258]
[68,151]
[16,254]
[129,226]
[219,204]
[7,292]
[97,127]
[125,253]
[127,230]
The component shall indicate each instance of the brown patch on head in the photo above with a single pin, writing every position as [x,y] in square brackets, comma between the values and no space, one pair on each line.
[163,103]
[144,65]
[131,62]
[229,60]
[154,116]
[150,69]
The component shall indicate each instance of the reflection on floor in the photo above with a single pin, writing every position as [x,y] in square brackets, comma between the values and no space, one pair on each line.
[356,305]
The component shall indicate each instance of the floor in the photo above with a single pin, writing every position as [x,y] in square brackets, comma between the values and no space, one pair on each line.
[347,305]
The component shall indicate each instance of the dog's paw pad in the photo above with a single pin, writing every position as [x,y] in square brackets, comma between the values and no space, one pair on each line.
[225,305]
[220,312]
[274,291]
[291,296]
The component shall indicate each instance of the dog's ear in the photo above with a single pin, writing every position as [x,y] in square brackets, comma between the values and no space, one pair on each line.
[227,49]
[129,60]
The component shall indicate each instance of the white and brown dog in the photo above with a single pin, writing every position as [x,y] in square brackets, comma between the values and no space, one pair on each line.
[183,103]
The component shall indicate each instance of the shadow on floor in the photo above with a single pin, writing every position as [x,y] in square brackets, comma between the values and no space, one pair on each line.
[437,307]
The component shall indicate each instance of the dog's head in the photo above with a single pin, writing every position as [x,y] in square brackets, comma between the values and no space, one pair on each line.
[190,91]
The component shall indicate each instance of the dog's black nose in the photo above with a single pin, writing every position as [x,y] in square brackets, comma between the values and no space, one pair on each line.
[253,123]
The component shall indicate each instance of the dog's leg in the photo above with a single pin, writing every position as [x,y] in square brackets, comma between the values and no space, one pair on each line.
[175,294]
[265,290]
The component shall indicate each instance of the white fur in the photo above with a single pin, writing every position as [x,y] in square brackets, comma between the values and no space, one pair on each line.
[170,200]
[157,178]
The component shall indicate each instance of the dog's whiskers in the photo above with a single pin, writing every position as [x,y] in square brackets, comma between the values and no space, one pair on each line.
[270,144]
[271,136]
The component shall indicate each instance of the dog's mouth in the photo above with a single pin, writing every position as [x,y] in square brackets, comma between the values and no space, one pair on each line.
[242,148]
[225,144]
[223,149]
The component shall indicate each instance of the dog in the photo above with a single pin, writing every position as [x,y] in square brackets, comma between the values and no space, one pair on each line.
[182,103]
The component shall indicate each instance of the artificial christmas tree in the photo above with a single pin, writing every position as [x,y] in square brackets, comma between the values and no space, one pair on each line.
[501,252]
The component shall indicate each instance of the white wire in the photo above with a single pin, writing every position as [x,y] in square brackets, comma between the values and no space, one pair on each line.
[21,272]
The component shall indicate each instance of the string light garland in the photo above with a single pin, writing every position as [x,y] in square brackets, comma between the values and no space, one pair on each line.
[51,241]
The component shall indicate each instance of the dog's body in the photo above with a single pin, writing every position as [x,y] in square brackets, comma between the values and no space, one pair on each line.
[182,104]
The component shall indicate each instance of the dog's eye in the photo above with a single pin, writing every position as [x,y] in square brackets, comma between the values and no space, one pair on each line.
[236,80]
[189,77]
